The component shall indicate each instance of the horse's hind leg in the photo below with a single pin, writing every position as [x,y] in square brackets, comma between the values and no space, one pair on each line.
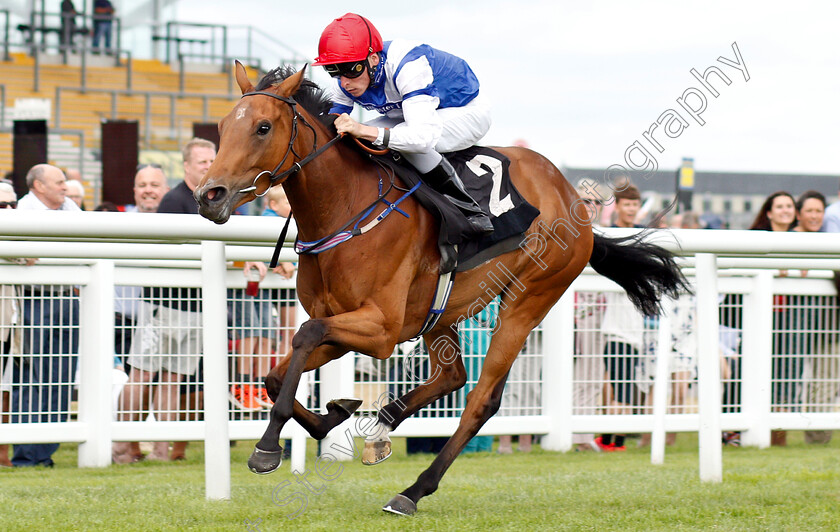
[482,402]
[447,375]
[517,320]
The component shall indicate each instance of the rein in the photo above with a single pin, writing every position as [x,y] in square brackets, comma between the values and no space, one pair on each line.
[342,235]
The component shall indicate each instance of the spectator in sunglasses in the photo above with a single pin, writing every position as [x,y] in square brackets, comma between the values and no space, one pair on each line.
[429,98]
[8,198]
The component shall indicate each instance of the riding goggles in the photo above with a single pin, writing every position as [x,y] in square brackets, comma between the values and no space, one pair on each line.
[351,70]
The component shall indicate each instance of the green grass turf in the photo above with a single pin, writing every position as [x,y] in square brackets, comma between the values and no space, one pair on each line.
[792,488]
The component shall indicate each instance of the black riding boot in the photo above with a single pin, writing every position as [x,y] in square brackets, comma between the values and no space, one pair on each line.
[445,180]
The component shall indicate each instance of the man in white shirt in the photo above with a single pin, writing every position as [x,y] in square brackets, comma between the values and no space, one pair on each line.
[42,380]
[47,190]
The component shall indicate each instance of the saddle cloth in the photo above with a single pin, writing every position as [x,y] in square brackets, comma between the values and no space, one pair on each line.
[486,177]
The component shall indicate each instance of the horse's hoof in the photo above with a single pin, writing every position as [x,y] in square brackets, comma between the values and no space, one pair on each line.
[264,462]
[400,505]
[376,452]
[346,406]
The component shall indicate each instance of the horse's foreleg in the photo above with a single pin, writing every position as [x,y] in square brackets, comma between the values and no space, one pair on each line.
[447,375]
[361,330]
[317,425]
[268,454]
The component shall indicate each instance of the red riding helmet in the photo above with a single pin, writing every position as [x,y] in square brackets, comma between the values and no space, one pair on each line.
[348,38]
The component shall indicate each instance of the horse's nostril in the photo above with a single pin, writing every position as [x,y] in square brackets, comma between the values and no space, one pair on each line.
[215,194]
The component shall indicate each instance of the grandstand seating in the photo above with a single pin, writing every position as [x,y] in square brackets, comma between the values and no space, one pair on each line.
[171,118]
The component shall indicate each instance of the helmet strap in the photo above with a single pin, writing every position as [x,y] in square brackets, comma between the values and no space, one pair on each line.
[372,69]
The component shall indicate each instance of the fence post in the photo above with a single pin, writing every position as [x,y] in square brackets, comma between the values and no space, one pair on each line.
[96,364]
[173,127]
[661,383]
[129,67]
[298,461]
[214,315]
[36,78]
[558,372]
[708,369]
[57,117]
[337,382]
[6,56]
[83,72]
[181,80]
[147,120]
[756,361]
[118,49]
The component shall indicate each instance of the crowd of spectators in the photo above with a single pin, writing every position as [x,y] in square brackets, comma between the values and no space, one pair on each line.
[158,340]
[157,334]
[616,345]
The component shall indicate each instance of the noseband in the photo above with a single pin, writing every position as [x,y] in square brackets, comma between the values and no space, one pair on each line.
[273,175]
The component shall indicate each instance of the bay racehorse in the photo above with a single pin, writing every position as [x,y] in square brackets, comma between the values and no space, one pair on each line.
[374,291]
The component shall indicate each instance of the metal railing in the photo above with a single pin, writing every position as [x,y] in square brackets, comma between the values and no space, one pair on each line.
[226,68]
[39,23]
[6,28]
[146,114]
[287,51]
[2,105]
[81,164]
[173,29]
[47,22]
[217,42]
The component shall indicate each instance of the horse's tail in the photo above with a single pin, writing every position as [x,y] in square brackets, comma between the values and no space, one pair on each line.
[644,270]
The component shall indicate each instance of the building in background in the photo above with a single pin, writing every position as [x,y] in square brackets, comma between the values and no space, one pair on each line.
[731,196]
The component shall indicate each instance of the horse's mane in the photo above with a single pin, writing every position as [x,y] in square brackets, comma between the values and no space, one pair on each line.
[310,96]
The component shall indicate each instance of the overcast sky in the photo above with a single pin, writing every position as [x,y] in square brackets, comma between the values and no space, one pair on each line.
[582,81]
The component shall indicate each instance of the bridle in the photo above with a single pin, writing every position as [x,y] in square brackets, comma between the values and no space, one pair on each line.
[273,175]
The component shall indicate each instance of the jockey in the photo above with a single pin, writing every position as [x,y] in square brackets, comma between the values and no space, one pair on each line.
[429,100]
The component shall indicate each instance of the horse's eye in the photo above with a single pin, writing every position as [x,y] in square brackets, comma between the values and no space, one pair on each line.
[263,128]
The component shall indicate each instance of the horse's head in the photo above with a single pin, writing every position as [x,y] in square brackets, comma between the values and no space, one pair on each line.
[253,139]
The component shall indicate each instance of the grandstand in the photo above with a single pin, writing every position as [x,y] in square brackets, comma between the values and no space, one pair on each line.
[78,89]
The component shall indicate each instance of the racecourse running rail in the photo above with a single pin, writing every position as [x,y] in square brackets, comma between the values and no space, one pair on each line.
[766,345]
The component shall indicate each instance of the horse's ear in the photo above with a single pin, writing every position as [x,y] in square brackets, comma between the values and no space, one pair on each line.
[242,78]
[291,84]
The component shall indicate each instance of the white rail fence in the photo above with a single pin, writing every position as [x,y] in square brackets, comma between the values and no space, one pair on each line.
[95,252]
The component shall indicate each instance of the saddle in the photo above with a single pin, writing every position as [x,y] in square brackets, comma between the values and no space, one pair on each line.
[485,173]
